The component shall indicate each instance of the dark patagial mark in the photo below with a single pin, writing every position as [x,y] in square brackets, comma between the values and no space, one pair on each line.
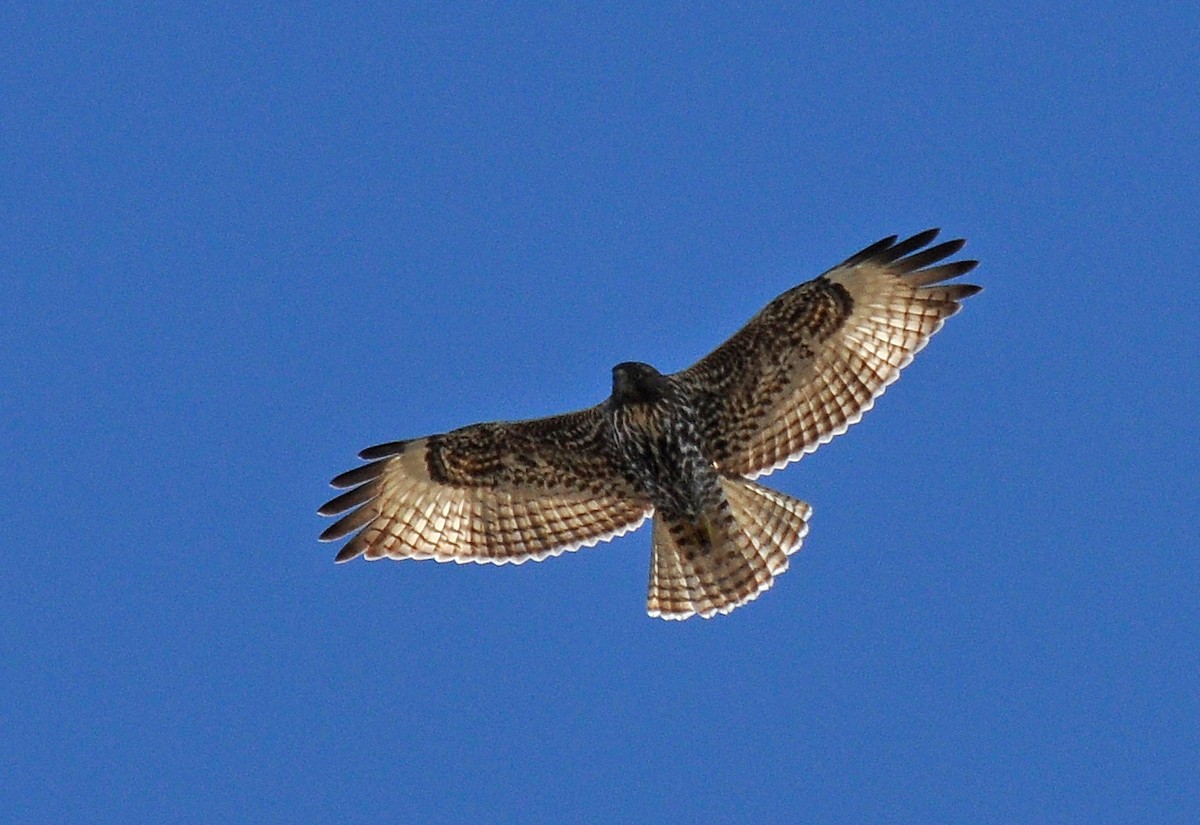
[829,311]
[843,301]
[434,463]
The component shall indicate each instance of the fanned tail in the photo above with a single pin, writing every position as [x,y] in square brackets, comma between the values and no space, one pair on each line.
[727,557]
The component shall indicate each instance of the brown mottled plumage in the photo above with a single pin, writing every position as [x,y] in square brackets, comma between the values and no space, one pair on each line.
[683,447]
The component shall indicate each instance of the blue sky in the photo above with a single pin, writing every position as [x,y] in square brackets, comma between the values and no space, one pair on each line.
[239,245]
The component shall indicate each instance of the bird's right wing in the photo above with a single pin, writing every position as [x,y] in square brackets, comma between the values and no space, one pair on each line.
[816,358]
[499,492]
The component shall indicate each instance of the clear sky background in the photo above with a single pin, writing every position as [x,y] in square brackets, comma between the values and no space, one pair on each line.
[239,245]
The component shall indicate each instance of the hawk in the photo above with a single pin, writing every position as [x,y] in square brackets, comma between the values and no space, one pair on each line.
[684,448]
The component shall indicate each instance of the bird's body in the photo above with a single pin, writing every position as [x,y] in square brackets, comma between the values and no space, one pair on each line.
[659,447]
[683,447]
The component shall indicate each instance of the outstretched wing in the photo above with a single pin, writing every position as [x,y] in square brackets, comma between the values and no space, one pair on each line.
[816,358]
[499,492]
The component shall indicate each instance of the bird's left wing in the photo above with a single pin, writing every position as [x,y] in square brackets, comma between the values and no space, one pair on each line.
[816,358]
[498,492]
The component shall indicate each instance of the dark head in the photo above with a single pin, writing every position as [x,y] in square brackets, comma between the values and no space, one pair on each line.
[637,383]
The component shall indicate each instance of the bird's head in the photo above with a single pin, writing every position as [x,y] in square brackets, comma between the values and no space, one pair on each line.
[637,383]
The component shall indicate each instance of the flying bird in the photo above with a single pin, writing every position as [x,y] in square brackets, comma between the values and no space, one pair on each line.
[684,448]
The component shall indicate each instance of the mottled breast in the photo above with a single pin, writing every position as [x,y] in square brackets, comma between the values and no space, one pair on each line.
[661,453]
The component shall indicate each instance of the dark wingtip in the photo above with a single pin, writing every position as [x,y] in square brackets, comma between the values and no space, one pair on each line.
[358,475]
[952,246]
[350,499]
[330,508]
[383,450]
[352,550]
[888,250]
[916,242]
[927,257]
[352,521]
[937,253]
[871,251]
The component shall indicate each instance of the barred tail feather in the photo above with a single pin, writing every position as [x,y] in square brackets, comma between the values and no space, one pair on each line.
[727,557]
